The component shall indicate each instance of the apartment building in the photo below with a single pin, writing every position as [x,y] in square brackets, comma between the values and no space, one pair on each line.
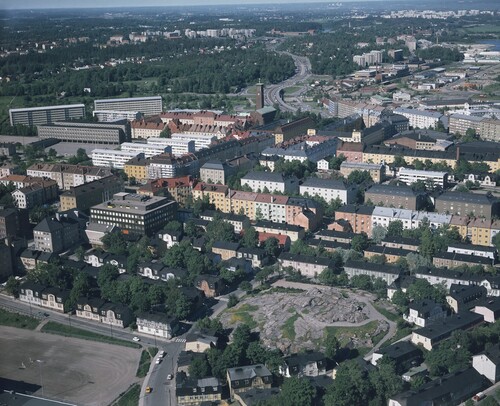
[388,273]
[177,146]
[411,219]
[91,133]
[111,115]
[478,205]
[395,196]
[179,189]
[85,196]
[56,234]
[270,182]
[33,116]
[148,150]
[329,189]
[68,176]
[137,168]
[142,129]
[376,171]
[420,118]
[148,106]
[410,176]
[292,129]
[359,217]
[168,166]
[112,158]
[137,214]
[308,266]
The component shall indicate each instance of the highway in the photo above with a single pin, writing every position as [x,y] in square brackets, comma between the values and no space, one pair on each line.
[272,92]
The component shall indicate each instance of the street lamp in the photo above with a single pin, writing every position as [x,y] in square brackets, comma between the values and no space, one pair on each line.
[40,362]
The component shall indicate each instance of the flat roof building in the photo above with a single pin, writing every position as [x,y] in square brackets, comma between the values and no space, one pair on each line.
[45,115]
[148,106]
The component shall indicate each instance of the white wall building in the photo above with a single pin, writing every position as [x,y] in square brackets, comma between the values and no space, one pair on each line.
[488,363]
[112,158]
[410,176]
[178,146]
[329,190]
[273,182]
[420,118]
[148,150]
[201,140]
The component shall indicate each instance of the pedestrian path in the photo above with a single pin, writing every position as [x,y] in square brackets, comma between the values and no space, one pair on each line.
[179,340]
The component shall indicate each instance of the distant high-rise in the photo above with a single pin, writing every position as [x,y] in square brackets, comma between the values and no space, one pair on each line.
[259,94]
[149,106]
[45,115]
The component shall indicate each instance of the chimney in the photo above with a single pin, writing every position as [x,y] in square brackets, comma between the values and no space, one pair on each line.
[458,154]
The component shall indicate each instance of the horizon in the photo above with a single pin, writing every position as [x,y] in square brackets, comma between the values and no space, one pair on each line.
[69,4]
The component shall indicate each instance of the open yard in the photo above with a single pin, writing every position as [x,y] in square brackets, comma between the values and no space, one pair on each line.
[67,369]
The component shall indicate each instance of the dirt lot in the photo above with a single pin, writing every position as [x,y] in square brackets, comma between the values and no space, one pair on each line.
[72,370]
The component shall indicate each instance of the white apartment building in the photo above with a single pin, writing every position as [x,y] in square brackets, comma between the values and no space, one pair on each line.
[148,150]
[178,147]
[476,250]
[420,118]
[270,181]
[323,165]
[29,196]
[201,140]
[410,176]
[383,216]
[110,115]
[370,58]
[112,158]
[329,190]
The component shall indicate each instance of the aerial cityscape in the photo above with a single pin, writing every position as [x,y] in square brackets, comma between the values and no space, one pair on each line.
[250,204]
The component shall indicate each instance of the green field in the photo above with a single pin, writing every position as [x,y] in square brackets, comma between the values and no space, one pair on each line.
[344,334]
[288,329]
[242,314]
[485,28]
[131,397]
[17,320]
[146,357]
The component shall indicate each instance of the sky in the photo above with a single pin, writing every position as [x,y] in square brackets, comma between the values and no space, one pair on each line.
[28,4]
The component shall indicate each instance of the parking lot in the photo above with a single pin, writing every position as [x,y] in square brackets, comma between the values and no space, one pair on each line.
[67,369]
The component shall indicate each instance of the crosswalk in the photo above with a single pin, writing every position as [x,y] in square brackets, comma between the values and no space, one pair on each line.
[179,340]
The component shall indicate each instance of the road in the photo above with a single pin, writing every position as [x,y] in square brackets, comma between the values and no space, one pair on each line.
[272,92]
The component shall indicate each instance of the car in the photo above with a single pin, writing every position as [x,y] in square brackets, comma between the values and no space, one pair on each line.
[158,361]
[161,354]
[478,396]
[136,339]
[149,389]
[169,377]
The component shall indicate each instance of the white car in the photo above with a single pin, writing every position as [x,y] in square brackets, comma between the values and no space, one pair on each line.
[169,377]
[158,361]
[136,339]
[161,354]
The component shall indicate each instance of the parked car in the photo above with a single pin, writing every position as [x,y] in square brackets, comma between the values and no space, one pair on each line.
[149,389]
[158,361]
[161,354]
[136,339]
[169,377]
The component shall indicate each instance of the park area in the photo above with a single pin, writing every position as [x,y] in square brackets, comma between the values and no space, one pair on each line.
[294,319]
[67,369]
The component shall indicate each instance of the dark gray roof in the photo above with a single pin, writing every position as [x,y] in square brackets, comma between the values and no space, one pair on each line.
[253,396]
[352,208]
[214,164]
[391,190]
[401,240]
[442,329]
[248,372]
[493,353]
[47,225]
[325,183]
[157,317]
[464,293]
[450,389]
[265,176]
[278,226]
[401,349]
[335,234]
[471,259]
[473,198]
[382,250]
[225,245]
[304,358]
[423,307]
[315,242]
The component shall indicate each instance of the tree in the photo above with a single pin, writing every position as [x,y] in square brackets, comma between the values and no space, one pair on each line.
[416,261]
[13,286]
[245,286]
[271,246]
[182,307]
[328,277]
[358,177]
[199,368]
[422,289]
[331,345]
[351,386]
[115,243]
[359,242]
[232,301]
[166,132]
[173,226]
[250,238]
[295,391]
[378,233]
[395,228]
[496,241]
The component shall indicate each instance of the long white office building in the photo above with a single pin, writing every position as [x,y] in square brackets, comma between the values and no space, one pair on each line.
[111,115]
[149,106]
[410,176]
[148,150]
[178,146]
[46,115]
[201,140]
[112,158]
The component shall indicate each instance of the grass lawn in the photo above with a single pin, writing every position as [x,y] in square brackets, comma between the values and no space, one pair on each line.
[343,334]
[403,332]
[387,313]
[130,397]
[145,361]
[56,328]
[288,329]
[292,89]
[242,314]
[17,320]
[484,28]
